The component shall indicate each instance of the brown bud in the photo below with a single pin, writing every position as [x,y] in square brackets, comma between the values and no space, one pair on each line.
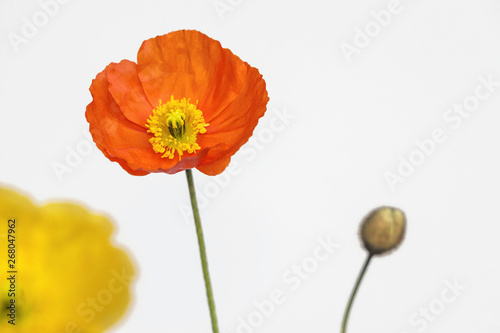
[383,229]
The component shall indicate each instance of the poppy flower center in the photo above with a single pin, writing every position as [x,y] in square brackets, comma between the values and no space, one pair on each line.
[175,126]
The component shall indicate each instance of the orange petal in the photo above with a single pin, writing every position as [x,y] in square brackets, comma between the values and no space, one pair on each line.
[148,160]
[189,64]
[234,125]
[118,138]
[231,94]
[123,164]
[127,91]
[108,125]
[215,168]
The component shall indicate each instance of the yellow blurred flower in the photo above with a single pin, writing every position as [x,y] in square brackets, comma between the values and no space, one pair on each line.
[68,277]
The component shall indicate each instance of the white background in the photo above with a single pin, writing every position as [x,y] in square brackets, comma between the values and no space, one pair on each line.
[316,177]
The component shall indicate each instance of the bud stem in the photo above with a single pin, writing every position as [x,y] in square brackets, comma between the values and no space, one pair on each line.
[354,291]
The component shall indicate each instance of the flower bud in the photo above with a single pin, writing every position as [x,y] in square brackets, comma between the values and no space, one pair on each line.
[383,229]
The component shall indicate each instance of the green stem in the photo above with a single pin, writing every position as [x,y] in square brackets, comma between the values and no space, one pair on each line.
[354,291]
[203,251]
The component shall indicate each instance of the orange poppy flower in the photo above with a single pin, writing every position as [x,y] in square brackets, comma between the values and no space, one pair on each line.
[187,103]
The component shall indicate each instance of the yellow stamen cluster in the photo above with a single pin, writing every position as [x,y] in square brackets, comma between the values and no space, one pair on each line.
[175,126]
